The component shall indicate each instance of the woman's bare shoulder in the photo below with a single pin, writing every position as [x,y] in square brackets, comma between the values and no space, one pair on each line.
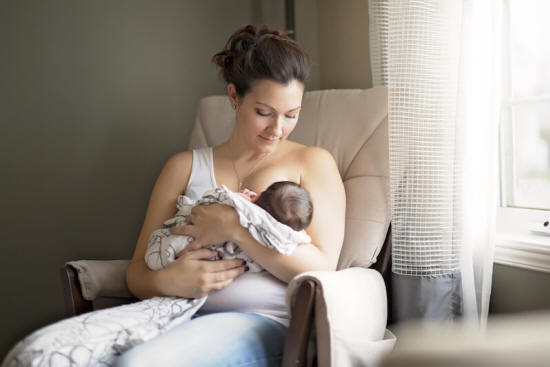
[177,170]
[181,158]
[308,157]
[311,161]
[314,155]
[306,151]
[180,162]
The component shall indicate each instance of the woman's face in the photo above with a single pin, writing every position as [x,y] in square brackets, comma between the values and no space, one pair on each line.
[267,113]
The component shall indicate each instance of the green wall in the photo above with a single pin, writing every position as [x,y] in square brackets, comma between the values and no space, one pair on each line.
[94,97]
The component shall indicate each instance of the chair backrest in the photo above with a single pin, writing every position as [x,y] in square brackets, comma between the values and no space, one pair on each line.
[352,125]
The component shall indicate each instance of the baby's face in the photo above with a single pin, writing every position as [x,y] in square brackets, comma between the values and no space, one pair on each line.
[249,195]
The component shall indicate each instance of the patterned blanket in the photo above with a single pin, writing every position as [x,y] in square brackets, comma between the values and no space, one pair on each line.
[97,338]
[163,246]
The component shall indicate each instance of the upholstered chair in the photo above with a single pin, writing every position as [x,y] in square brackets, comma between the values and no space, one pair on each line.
[337,318]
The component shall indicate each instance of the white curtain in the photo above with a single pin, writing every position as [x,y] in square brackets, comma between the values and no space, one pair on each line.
[441,62]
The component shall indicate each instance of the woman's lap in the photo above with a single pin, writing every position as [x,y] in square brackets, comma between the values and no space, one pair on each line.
[218,339]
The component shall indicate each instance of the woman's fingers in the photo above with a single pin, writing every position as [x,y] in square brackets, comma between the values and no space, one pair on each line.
[186,230]
[201,254]
[194,245]
[214,223]
[226,274]
[193,218]
[223,265]
[214,266]
[221,285]
[216,275]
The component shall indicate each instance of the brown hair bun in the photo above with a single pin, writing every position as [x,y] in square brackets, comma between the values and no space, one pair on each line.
[258,52]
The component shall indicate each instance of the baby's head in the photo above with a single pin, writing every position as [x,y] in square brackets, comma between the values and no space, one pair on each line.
[289,203]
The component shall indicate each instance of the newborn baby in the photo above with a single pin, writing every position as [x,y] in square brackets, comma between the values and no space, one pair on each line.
[276,218]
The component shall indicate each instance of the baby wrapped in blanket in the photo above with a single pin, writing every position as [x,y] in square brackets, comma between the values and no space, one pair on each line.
[276,219]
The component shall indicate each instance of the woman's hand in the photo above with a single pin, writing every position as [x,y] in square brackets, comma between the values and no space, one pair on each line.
[192,275]
[211,224]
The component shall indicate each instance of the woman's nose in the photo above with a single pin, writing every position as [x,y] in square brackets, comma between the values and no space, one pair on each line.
[277,125]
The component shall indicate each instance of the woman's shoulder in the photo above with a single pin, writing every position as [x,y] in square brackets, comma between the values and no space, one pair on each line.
[177,169]
[311,158]
[309,154]
[306,151]
[180,160]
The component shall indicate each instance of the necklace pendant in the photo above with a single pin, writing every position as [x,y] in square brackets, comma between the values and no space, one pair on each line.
[240,185]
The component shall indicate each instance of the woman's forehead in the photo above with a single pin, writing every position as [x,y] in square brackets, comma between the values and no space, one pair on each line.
[282,97]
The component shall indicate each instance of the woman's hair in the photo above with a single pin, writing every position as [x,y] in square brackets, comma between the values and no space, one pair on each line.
[289,203]
[254,53]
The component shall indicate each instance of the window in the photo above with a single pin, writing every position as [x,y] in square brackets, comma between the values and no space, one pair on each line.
[524,216]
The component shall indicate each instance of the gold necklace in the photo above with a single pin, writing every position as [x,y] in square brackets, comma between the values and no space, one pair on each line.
[249,172]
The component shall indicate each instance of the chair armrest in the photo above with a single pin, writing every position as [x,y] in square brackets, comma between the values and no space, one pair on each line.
[350,314]
[299,331]
[75,304]
[102,278]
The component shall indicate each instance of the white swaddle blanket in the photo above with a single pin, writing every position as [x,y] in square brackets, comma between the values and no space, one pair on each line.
[98,337]
[163,246]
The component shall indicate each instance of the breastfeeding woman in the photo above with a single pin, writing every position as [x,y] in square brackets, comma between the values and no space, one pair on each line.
[244,321]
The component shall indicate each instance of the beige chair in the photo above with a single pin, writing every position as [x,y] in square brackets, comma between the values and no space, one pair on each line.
[346,309]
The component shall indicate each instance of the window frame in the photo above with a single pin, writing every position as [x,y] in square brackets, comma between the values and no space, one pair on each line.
[517,241]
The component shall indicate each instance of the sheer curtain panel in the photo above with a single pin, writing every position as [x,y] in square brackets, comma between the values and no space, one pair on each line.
[440,60]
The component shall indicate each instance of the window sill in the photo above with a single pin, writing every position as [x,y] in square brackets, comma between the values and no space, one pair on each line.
[523,251]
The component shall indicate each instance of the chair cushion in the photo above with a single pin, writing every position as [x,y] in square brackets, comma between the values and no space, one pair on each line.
[352,126]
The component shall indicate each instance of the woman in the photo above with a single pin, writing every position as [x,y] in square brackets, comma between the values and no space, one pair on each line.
[244,321]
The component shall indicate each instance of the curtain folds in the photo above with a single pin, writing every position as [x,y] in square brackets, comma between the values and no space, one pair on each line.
[440,60]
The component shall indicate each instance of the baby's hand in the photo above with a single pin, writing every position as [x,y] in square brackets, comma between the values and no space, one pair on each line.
[248,194]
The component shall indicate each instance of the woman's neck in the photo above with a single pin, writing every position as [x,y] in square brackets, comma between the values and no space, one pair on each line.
[236,151]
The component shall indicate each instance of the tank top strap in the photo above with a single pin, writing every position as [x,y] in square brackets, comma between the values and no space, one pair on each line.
[202,173]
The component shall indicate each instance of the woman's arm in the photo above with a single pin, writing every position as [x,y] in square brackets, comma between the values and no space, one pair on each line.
[321,178]
[188,276]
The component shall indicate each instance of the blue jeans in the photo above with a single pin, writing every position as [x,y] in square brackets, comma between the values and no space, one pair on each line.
[217,339]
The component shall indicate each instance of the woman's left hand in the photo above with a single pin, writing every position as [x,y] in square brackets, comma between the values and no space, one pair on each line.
[210,224]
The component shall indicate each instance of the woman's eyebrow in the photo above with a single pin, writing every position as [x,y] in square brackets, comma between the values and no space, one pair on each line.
[265,104]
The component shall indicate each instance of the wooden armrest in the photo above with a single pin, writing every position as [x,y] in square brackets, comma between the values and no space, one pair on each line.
[75,304]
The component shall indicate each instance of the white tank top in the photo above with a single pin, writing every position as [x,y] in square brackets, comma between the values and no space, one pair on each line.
[260,293]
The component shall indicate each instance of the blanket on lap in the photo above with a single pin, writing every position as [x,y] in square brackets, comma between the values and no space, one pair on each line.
[98,337]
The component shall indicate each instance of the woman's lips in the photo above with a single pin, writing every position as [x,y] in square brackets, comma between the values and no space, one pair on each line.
[269,140]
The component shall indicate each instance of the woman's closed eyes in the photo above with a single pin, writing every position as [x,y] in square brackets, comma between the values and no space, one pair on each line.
[268,114]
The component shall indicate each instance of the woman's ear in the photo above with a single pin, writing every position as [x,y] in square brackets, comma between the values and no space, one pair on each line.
[233,95]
